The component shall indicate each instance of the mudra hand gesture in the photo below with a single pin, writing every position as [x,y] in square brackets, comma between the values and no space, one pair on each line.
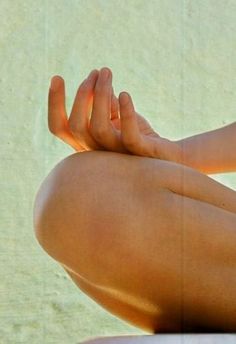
[101,121]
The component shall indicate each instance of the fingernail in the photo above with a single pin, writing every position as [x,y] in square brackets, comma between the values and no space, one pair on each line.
[55,83]
[124,98]
[91,75]
[105,73]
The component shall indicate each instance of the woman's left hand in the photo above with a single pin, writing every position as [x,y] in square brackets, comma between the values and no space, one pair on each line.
[93,123]
[101,121]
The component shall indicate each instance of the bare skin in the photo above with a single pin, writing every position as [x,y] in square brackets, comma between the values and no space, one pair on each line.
[101,121]
[138,237]
[168,269]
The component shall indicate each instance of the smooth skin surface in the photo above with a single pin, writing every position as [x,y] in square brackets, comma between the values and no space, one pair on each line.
[101,121]
[167,230]
[150,240]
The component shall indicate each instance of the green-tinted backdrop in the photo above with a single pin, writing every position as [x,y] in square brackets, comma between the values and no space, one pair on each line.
[177,58]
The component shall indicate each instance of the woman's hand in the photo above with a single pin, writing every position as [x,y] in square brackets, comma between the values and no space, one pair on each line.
[100,121]
[94,94]
[139,138]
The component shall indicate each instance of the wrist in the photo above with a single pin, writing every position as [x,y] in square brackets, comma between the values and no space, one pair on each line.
[191,157]
[182,153]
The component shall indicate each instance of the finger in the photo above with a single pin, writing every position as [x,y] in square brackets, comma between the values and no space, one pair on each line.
[116,123]
[130,134]
[100,124]
[57,117]
[79,117]
[114,106]
[115,113]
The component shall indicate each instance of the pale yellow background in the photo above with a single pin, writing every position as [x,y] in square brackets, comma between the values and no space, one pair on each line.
[177,58]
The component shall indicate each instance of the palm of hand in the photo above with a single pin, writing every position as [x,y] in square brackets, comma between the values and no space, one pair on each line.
[145,127]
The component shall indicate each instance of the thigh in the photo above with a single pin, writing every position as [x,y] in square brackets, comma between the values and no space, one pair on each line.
[119,223]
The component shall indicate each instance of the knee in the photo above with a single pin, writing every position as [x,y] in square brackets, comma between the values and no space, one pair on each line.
[47,204]
[92,203]
[75,205]
[60,203]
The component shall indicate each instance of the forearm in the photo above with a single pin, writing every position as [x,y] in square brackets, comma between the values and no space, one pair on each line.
[211,152]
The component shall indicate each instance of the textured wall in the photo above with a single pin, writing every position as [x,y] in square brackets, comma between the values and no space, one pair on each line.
[177,58]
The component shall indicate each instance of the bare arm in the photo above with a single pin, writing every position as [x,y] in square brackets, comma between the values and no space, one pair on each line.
[211,152]
[114,125]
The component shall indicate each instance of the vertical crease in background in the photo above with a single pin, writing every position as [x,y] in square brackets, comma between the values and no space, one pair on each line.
[46,69]
[182,175]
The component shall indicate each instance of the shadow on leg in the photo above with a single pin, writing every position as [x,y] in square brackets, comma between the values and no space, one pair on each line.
[135,246]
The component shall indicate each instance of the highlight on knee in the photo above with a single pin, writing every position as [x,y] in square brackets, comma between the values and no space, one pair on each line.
[72,199]
[50,205]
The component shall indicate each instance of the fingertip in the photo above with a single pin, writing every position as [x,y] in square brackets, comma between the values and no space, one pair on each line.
[107,68]
[124,98]
[105,74]
[93,75]
[56,82]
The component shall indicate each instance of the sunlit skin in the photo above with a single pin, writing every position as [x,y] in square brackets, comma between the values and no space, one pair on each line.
[145,234]
[147,244]
[101,121]
[112,123]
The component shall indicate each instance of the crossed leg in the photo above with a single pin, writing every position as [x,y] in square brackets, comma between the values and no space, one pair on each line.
[151,241]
